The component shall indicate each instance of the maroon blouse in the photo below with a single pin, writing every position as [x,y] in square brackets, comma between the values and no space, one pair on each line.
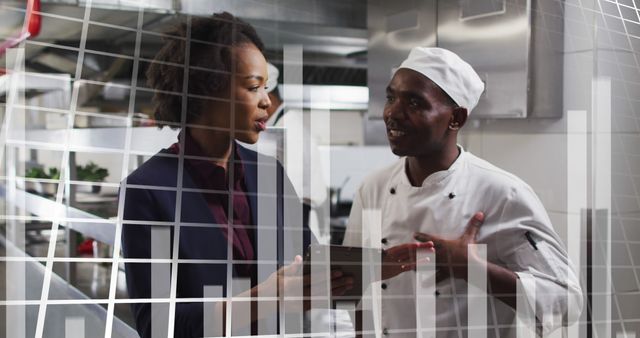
[210,176]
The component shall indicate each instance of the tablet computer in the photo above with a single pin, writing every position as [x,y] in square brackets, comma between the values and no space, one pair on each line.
[350,261]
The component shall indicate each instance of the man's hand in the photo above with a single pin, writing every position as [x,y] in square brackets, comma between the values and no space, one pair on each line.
[452,256]
[401,258]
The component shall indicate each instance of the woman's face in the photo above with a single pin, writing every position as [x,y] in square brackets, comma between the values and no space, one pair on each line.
[249,99]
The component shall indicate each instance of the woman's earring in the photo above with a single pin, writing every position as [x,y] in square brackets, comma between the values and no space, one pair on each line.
[454,126]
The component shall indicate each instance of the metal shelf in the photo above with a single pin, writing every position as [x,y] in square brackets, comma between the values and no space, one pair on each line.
[102,230]
[143,139]
[93,314]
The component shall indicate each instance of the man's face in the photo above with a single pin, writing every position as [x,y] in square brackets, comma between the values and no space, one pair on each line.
[416,114]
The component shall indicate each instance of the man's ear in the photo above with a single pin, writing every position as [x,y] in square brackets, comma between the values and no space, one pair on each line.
[459,115]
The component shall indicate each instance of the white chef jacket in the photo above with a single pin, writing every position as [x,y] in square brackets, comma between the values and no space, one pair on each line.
[442,206]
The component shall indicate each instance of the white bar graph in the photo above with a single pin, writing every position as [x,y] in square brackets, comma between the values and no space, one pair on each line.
[576,202]
[319,126]
[372,238]
[241,307]
[212,320]
[14,123]
[292,322]
[160,280]
[477,293]
[426,295]
[525,306]
[601,185]
[321,291]
[74,327]
[267,241]
[554,321]
[343,319]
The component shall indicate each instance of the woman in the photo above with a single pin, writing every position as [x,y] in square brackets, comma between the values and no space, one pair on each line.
[207,182]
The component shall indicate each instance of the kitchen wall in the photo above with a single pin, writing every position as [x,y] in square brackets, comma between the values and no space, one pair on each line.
[597,43]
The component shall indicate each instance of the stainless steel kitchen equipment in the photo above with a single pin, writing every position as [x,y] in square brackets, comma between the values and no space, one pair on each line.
[514,45]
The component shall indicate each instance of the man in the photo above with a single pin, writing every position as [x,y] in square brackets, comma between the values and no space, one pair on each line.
[439,192]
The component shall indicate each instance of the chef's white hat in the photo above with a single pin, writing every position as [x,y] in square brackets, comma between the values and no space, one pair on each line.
[272,81]
[446,69]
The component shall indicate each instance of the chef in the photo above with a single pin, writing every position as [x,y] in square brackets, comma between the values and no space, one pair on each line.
[439,192]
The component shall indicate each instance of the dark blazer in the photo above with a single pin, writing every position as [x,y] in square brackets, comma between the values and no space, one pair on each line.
[151,196]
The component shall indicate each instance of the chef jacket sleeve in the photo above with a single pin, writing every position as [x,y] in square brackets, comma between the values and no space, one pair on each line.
[536,254]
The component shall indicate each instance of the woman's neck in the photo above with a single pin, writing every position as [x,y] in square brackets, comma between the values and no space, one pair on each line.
[214,144]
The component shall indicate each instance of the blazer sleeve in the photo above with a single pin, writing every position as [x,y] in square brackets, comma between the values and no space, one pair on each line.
[140,205]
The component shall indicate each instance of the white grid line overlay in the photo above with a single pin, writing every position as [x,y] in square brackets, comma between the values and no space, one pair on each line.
[122,194]
[61,221]
[178,208]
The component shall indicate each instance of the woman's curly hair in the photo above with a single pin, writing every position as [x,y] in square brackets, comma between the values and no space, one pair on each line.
[210,50]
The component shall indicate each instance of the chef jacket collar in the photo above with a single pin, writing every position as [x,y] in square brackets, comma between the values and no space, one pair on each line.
[439,178]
